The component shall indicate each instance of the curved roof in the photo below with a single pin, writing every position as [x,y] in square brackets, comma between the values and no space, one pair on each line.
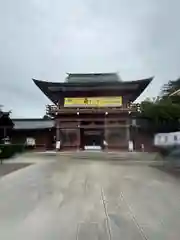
[54,90]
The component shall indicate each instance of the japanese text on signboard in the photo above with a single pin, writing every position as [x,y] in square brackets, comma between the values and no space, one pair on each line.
[93,102]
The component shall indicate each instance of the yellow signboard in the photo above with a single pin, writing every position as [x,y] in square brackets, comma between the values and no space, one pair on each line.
[93,102]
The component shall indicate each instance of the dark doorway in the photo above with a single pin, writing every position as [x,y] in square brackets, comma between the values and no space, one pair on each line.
[91,137]
[91,134]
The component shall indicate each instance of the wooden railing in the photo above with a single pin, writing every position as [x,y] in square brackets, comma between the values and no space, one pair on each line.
[75,126]
[55,110]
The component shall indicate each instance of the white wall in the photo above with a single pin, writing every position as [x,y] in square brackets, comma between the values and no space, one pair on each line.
[167,139]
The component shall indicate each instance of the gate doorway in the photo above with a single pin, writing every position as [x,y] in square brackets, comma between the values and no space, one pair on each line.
[91,139]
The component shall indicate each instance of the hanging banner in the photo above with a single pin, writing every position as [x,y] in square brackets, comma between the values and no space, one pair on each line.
[93,102]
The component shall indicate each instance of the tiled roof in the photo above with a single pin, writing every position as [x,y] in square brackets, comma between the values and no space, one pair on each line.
[92,77]
[30,124]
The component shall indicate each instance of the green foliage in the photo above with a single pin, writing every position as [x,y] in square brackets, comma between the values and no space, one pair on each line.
[47,117]
[8,150]
[163,113]
[161,109]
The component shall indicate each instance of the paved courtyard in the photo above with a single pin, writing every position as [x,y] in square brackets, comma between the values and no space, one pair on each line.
[70,199]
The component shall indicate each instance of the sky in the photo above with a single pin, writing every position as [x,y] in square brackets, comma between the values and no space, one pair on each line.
[45,39]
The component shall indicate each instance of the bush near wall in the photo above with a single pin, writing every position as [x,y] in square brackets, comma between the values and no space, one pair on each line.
[8,150]
[165,151]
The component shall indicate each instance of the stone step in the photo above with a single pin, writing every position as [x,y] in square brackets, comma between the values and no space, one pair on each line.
[91,155]
[110,156]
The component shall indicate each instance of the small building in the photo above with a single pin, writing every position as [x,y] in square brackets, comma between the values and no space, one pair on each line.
[93,109]
[41,130]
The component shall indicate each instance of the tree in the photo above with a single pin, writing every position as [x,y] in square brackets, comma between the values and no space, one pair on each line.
[162,114]
[6,125]
[47,117]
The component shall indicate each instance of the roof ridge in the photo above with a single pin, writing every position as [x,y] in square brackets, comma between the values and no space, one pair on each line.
[94,73]
[31,119]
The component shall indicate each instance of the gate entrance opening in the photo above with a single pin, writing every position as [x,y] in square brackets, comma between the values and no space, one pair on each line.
[91,139]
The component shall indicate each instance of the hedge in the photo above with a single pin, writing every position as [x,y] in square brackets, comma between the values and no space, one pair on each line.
[8,150]
[165,151]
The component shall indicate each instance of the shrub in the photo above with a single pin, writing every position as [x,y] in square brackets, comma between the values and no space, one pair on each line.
[8,150]
[165,151]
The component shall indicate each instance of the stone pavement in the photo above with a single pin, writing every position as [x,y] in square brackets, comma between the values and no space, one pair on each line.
[72,199]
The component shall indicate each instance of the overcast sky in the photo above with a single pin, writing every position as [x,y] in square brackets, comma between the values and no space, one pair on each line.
[45,39]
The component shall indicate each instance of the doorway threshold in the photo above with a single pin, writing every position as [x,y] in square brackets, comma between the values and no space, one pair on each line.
[93,148]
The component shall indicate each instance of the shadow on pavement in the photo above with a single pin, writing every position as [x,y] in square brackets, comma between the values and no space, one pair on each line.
[7,168]
[173,171]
